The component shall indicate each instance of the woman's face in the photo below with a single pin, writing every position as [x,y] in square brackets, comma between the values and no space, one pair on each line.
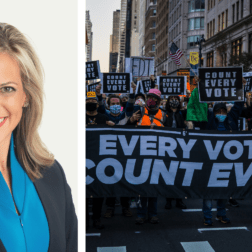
[12,96]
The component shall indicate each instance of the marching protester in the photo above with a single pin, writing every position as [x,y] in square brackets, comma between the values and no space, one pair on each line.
[175,119]
[220,120]
[119,118]
[95,118]
[153,116]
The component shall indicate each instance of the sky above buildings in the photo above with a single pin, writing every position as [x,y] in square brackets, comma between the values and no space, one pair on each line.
[101,15]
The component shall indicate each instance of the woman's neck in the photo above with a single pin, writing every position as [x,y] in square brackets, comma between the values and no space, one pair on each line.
[4,149]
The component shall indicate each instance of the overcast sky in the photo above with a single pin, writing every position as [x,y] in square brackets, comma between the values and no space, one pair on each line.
[101,15]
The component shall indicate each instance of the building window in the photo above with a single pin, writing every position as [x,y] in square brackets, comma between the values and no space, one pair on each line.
[241,8]
[154,12]
[223,20]
[211,30]
[191,41]
[196,5]
[153,35]
[237,47]
[153,24]
[233,16]
[219,23]
[226,18]
[250,43]
[210,59]
[195,23]
[237,11]
[213,26]
[153,48]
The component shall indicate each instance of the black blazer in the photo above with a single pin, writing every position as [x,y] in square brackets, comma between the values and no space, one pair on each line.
[56,198]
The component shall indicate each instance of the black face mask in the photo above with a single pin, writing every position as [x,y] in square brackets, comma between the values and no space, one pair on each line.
[91,106]
[174,103]
[124,104]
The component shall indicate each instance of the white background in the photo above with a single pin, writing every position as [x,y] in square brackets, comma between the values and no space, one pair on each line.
[51,27]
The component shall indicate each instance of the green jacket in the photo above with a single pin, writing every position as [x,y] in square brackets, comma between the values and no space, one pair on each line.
[196,111]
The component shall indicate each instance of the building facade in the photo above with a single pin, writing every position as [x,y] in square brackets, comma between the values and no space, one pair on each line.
[228,27]
[122,37]
[134,37]
[161,36]
[89,34]
[150,28]
[142,10]
[186,24]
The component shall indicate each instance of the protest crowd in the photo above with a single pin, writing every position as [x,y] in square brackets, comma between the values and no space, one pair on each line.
[153,109]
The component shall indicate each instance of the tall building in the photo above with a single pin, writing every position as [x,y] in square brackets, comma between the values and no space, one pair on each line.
[228,28]
[161,37]
[186,24]
[134,37]
[150,28]
[142,10]
[89,36]
[122,37]
[114,42]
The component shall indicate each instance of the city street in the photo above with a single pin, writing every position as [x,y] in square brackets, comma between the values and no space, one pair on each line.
[178,231]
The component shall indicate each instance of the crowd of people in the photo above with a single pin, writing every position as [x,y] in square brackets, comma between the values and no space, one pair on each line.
[152,110]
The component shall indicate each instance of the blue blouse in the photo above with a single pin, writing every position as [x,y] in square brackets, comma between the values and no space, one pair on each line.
[28,232]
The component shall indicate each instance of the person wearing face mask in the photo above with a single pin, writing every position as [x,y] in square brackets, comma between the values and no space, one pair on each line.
[124,100]
[175,119]
[217,119]
[114,104]
[152,115]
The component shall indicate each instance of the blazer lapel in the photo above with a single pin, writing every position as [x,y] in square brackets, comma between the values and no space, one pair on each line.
[2,248]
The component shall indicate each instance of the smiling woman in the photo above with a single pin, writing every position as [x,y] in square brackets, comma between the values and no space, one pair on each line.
[36,208]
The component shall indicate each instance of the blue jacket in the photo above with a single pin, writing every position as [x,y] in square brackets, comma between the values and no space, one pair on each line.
[231,121]
[124,116]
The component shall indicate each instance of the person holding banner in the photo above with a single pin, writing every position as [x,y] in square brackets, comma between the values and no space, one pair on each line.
[153,116]
[176,118]
[220,120]
[114,105]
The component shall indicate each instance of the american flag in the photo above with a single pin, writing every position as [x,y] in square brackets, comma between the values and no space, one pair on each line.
[175,54]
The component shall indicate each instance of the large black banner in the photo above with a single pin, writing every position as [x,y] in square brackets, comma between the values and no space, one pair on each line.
[172,85]
[174,163]
[116,83]
[220,84]
[92,70]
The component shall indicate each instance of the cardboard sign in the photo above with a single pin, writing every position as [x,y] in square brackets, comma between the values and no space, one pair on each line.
[139,66]
[116,83]
[220,84]
[248,78]
[91,87]
[172,85]
[92,70]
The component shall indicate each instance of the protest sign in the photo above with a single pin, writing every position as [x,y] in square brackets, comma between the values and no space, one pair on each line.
[91,87]
[172,85]
[139,66]
[92,70]
[143,86]
[248,78]
[116,83]
[124,161]
[221,84]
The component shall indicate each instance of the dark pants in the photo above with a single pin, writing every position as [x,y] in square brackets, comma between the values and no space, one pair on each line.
[110,202]
[96,208]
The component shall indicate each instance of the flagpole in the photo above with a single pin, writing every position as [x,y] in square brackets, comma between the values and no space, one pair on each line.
[187,62]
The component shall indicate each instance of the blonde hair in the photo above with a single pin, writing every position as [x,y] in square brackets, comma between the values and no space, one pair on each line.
[31,151]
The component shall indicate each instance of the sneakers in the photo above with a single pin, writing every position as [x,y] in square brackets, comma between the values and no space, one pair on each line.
[126,212]
[109,213]
[97,224]
[223,219]
[154,220]
[233,203]
[208,222]
[180,204]
[140,220]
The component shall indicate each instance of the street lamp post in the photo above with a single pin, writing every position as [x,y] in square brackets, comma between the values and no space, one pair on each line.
[199,41]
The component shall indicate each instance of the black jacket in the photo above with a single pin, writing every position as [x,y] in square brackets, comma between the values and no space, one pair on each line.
[179,117]
[56,198]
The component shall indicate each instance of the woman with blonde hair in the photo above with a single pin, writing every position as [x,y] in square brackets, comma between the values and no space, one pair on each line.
[36,207]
